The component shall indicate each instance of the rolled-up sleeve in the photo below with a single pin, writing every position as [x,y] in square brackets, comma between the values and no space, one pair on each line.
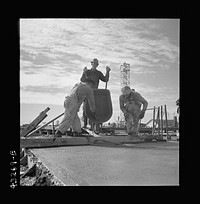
[144,102]
[104,78]
[83,77]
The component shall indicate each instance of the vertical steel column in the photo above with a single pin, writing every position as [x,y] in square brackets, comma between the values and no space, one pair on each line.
[153,128]
[166,121]
[158,121]
[161,115]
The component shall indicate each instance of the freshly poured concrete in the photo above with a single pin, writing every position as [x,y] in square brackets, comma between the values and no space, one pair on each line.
[135,164]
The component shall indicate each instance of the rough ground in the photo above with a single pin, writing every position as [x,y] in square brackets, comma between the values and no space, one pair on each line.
[41,177]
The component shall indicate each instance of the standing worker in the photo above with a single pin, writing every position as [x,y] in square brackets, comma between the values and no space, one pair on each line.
[178,109]
[95,75]
[72,103]
[178,104]
[130,104]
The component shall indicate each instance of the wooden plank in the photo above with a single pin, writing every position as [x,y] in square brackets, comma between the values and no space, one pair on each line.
[116,139]
[48,142]
[151,108]
[30,172]
[44,125]
[34,123]
[85,140]
[22,154]
[91,132]
[24,160]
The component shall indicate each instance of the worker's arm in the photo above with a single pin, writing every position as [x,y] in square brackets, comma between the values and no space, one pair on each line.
[106,77]
[121,104]
[139,98]
[83,77]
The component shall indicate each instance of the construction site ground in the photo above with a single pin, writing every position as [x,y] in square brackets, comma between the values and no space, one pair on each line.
[135,164]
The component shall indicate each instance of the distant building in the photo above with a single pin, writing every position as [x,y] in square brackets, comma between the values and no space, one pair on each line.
[171,123]
[47,130]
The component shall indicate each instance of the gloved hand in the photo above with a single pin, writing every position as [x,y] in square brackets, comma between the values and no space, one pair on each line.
[141,114]
[108,69]
[85,69]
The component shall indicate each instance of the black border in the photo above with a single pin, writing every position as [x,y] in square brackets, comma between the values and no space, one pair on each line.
[12,95]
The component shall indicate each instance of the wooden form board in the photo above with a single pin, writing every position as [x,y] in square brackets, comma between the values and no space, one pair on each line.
[86,140]
[92,133]
[48,142]
[34,123]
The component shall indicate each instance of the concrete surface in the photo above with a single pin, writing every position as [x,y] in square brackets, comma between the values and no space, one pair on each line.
[134,164]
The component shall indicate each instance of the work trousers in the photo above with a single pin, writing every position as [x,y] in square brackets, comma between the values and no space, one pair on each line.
[86,119]
[132,121]
[71,118]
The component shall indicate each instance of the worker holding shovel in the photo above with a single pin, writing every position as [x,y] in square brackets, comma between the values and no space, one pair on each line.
[95,75]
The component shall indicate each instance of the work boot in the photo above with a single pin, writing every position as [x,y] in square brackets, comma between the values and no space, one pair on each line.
[77,134]
[58,134]
[96,132]
[132,134]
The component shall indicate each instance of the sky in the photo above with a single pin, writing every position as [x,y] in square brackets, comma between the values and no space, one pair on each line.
[54,52]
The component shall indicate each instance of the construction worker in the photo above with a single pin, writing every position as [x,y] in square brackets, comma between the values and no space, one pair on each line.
[95,75]
[72,103]
[178,104]
[178,109]
[130,104]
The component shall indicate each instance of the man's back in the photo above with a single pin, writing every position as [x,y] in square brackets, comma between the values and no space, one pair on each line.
[85,91]
[132,102]
[134,96]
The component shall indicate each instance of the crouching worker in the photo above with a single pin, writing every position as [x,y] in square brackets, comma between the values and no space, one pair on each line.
[80,92]
[130,104]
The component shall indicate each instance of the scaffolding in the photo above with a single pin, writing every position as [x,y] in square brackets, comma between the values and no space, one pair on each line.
[125,74]
[125,81]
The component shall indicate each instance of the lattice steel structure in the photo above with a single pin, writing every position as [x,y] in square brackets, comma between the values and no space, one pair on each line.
[125,81]
[125,74]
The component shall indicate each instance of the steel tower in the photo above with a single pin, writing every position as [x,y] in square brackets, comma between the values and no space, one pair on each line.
[125,74]
[125,81]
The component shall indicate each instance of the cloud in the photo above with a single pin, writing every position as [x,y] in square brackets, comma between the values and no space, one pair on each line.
[53,53]
[157,96]
[90,37]
[45,75]
[31,97]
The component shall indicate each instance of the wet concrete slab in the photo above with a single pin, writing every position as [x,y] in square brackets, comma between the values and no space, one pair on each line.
[154,163]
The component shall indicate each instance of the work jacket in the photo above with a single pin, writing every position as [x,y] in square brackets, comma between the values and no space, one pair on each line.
[132,102]
[95,75]
[80,92]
